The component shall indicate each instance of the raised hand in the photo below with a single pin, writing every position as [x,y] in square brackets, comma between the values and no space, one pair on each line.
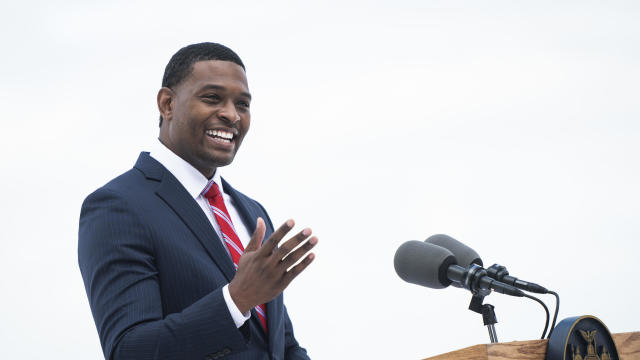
[265,270]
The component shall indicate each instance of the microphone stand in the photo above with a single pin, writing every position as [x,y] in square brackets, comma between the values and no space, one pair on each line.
[488,314]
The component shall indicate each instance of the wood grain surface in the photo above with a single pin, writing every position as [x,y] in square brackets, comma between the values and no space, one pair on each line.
[628,345]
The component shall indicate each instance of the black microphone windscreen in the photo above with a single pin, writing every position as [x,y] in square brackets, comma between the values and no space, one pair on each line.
[464,254]
[423,264]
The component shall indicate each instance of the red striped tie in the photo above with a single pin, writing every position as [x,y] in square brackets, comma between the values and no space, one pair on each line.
[216,203]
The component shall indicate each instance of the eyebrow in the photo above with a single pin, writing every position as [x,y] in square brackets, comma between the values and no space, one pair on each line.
[218,87]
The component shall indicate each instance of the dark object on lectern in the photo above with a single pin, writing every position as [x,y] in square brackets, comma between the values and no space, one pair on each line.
[488,315]
[500,273]
[428,264]
[467,256]
[581,337]
[433,266]
[423,264]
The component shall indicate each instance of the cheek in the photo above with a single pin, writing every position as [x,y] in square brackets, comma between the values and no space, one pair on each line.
[184,131]
[246,123]
[192,122]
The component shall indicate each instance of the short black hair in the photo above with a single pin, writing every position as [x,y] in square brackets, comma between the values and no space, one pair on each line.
[181,63]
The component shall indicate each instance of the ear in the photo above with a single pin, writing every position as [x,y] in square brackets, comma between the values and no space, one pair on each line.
[166,100]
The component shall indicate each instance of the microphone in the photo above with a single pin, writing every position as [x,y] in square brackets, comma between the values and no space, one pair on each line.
[500,273]
[433,266]
[467,255]
[464,254]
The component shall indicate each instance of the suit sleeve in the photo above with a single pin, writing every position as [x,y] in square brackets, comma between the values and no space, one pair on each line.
[292,349]
[116,258]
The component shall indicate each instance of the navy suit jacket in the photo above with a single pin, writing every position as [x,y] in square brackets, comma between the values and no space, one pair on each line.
[153,268]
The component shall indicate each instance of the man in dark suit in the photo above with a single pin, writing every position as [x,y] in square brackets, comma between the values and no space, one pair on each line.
[177,264]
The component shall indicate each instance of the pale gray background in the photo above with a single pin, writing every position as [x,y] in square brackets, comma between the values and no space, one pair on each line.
[510,125]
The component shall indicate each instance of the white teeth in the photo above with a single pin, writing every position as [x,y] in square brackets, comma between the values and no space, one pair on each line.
[220,133]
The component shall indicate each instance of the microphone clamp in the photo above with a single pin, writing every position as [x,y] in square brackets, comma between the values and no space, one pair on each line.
[471,281]
[476,279]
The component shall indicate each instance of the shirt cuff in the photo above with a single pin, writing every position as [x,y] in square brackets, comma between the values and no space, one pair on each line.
[238,317]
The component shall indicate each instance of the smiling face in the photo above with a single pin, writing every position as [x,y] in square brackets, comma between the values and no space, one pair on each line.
[206,116]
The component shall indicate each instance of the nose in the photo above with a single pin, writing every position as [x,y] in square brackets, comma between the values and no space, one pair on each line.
[228,113]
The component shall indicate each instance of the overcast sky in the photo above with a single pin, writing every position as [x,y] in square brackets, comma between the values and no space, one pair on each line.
[512,126]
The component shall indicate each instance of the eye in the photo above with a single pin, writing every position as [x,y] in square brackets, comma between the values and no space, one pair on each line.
[211,98]
[243,105]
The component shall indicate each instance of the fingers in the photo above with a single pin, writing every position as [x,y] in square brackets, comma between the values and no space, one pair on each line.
[292,243]
[274,239]
[296,255]
[257,236]
[296,270]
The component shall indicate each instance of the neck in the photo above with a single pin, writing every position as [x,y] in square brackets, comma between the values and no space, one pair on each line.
[205,171]
[208,173]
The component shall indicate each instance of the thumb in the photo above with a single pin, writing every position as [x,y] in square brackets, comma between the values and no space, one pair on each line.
[256,239]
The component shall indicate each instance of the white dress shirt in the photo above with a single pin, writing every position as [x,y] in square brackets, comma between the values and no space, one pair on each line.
[194,182]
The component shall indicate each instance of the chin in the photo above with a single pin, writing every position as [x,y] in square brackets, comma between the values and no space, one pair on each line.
[220,162]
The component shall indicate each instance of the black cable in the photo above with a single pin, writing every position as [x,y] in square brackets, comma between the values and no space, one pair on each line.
[546,310]
[555,315]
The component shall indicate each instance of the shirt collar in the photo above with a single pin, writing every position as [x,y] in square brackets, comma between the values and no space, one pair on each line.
[192,179]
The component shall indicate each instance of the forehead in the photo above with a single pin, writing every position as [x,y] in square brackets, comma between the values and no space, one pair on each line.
[216,72]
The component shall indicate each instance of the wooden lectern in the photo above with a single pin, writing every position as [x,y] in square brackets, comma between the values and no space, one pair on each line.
[628,345]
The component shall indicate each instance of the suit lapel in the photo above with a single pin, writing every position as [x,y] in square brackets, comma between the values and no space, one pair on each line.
[180,201]
[176,196]
[249,217]
[274,319]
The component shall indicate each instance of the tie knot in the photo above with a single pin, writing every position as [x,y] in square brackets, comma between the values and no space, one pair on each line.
[211,191]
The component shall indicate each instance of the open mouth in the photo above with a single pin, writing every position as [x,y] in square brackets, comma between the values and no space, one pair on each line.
[223,136]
